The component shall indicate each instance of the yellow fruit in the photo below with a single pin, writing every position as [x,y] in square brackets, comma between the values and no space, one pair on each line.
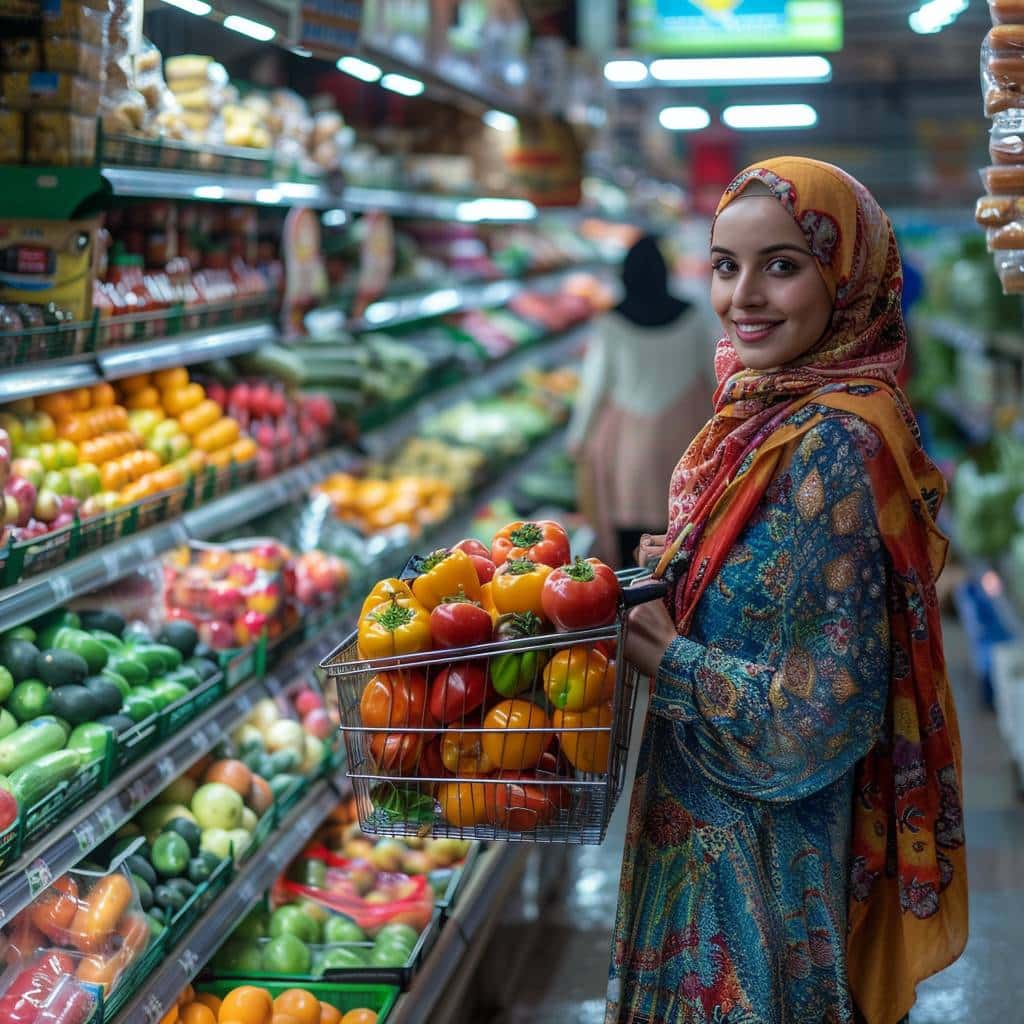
[209,1000]
[204,415]
[82,397]
[222,434]
[130,385]
[103,396]
[196,1013]
[146,398]
[180,400]
[244,450]
[177,377]
[58,405]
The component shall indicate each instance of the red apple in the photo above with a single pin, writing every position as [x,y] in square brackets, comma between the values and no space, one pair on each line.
[320,407]
[259,400]
[308,700]
[265,463]
[225,600]
[31,469]
[217,392]
[317,723]
[24,493]
[217,634]
[47,506]
[265,435]
[277,404]
[238,398]
[69,504]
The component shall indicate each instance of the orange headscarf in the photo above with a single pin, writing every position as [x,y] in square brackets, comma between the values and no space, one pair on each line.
[908,881]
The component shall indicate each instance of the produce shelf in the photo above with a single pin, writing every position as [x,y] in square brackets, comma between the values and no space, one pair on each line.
[145,182]
[76,837]
[183,350]
[451,963]
[467,209]
[184,961]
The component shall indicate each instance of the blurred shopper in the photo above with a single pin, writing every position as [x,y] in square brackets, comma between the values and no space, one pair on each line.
[795,852]
[645,393]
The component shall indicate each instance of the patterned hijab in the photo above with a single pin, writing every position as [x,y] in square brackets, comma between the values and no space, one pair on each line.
[855,249]
[907,890]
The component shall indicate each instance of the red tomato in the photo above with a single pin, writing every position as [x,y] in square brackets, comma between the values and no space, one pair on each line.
[472,547]
[518,806]
[457,690]
[459,624]
[480,556]
[543,541]
[397,753]
[583,595]
[431,766]
[8,809]
[394,698]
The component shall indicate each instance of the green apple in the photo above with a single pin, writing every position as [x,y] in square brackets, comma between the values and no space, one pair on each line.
[342,957]
[239,957]
[67,453]
[240,841]
[45,427]
[30,430]
[180,791]
[217,841]
[161,447]
[78,484]
[181,445]
[217,806]
[48,456]
[56,480]
[342,929]
[91,475]
[287,954]
[165,429]
[31,469]
[144,421]
[249,820]
[14,428]
[253,925]
[291,919]
[388,956]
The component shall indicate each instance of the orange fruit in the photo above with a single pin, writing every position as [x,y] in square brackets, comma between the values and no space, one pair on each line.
[129,385]
[103,396]
[300,1004]
[170,1017]
[179,400]
[284,1018]
[209,1000]
[360,1016]
[248,1005]
[112,475]
[177,377]
[147,398]
[82,399]
[196,1013]
[329,1015]
[187,994]
[57,405]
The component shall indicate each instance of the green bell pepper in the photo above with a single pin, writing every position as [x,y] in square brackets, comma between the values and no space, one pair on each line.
[517,671]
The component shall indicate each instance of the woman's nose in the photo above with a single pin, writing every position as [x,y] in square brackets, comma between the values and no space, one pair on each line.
[748,291]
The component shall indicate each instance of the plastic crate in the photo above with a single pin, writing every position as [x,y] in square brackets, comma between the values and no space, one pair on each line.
[379,998]
[10,844]
[136,743]
[181,712]
[263,830]
[194,906]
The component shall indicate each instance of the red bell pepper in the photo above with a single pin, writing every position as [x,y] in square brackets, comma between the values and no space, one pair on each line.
[544,542]
[459,622]
[457,690]
[583,595]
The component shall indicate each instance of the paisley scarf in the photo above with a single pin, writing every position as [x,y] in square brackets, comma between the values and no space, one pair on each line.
[908,884]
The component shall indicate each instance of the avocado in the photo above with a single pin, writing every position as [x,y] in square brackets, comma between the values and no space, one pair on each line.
[83,644]
[145,891]
[137,633]
[106,694]
[19,658]
[140,866]
[118,680]
[169,898]
[188,830]
[205,667]
[138,706]
[181,635]
[75,704]
[168,692]
[61,668]
[102,619]
[188,677]
[154,657]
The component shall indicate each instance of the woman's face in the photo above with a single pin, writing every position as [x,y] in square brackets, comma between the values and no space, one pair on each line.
[765,285]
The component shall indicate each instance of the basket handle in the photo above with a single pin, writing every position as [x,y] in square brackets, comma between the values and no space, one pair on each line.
[643,593]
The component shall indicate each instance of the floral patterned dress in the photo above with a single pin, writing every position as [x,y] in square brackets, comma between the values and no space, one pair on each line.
[734,885]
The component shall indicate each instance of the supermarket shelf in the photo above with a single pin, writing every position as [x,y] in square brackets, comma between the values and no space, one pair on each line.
[143,182]
[184,350]
[45,378]
[463,941]
[468,209]
[110,809]
[544,355]
[257,499]
[183,963]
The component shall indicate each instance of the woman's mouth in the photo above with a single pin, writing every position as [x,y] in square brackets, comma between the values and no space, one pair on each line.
[753,331]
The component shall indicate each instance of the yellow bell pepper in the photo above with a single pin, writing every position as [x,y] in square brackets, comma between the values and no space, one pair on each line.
[517,586]
[443,573]
[383,592]
[400,625]
[487,600]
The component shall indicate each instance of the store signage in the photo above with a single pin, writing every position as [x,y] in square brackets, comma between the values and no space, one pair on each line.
[692,27]
[329,28]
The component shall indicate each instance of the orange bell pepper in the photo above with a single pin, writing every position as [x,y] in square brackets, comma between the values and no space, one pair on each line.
[575,678]
[444,574]
[586,751]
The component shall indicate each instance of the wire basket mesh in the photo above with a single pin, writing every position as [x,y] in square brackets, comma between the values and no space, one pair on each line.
[541,759]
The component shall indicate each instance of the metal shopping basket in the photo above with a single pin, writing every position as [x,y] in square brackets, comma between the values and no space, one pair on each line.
[554,779]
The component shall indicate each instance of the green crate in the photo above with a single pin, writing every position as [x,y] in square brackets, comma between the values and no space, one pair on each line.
[379,998]
[197,903]
[10,844]
[244,663]
[136,742]
[134,978]
[264,827]
[217,883]
[58,804]
[291,797]
[175,716]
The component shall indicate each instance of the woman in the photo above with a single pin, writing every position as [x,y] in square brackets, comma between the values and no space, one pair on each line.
[795,851]
[643,396]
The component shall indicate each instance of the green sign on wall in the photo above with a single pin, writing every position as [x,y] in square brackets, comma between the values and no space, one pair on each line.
[722,27]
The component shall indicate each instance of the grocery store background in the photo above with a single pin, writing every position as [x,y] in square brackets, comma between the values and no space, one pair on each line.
[291,291]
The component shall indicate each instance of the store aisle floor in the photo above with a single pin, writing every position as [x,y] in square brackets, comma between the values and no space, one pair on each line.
[562,978]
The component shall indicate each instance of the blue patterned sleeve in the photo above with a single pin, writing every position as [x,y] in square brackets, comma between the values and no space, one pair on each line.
[789,723]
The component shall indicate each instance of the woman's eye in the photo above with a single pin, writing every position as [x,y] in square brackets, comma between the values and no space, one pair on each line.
[723,266]
[782,266]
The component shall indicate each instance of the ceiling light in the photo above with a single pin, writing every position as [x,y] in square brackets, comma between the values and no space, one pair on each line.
[742,70]
[268,196]
[208,192]
[334,218]
[684,119]
[192,6]
[500,121]
[301,51]
[402,84]
[495,209]
[250,28]
[625,71]
[935,15]
[361,69]
[770,115]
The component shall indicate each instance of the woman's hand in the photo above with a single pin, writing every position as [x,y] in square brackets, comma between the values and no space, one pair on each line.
[650,632]
[652,547]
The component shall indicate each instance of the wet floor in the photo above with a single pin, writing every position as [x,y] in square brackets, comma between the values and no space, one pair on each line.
[560,979]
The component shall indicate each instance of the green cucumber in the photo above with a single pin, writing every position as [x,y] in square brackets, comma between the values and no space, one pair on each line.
[187,676]
[138,706]
[57,667]
[85,646]
[8,723]
[158,658]
[90,739]
[112,643]
[34,739]
[34,780]
[19,633]
[128,667]
[168,692]
[103,620]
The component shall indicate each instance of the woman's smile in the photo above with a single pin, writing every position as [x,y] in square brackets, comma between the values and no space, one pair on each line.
[753,331]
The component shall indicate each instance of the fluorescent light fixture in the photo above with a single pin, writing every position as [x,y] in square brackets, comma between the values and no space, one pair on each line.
[500,121]
[935,15]
[301,51]
[770,115]
[208,192]
[495,209]
[684,119]
[192,6]
[742,70]
[297,190]
[358,68]
[248,27]
[402,84]
[625,72]
[379,312]
[439,302]
[268,196]
[334,218]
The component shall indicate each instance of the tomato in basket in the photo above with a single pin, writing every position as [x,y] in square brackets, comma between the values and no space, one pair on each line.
[583,595]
